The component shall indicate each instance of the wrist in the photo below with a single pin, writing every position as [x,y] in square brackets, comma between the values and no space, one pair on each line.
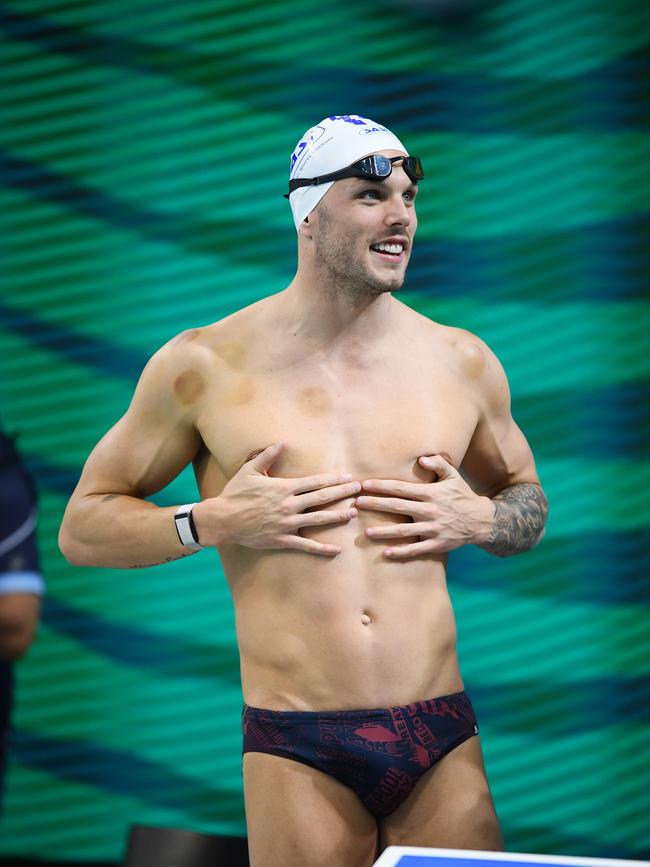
[208,523]
[185,527]
[484,523]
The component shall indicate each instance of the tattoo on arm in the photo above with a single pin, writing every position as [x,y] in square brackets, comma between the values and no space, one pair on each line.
[519,520]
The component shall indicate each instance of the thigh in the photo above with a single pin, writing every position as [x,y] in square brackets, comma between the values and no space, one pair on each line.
[450,807]
[298,816]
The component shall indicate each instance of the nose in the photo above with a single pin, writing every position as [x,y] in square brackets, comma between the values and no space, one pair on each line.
[398,213]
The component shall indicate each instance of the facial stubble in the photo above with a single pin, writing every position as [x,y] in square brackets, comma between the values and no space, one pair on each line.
[343,272]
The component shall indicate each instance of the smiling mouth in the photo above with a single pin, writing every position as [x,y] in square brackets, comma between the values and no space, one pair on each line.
[393,252]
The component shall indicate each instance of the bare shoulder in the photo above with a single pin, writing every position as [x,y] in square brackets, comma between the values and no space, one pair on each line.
[466,350]
[191,348]
[478,364]
[224,344]
[469,358]
[179,372]
[182,351]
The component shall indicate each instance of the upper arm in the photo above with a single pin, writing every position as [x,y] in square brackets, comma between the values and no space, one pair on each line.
[498,454]
[155,439]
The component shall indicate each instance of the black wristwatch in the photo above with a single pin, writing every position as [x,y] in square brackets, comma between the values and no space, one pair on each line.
[185,527]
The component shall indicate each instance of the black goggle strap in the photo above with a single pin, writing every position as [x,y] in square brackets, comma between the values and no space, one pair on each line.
[375,167]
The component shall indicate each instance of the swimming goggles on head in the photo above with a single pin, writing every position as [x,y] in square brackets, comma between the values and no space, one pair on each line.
[373,168]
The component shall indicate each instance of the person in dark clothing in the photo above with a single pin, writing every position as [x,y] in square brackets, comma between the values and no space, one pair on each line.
[21,583]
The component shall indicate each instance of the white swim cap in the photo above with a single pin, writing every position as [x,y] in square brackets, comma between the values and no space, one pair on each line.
[334,143]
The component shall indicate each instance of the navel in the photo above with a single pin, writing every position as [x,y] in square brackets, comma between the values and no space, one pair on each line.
[366,619]
[189,386]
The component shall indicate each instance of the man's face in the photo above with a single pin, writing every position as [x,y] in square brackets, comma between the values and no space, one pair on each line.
[363,231]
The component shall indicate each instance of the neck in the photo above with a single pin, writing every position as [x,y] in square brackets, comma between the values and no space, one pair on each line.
[330,320]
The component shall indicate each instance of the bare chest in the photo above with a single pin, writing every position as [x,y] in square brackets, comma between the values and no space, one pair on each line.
[370,423]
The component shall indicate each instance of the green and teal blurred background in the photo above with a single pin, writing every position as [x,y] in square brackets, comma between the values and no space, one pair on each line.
[145,149]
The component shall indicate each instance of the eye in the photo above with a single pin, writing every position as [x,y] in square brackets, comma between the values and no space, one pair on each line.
[409,196]
[370,194]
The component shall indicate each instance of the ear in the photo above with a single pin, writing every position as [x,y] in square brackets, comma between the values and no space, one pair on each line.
[306,228]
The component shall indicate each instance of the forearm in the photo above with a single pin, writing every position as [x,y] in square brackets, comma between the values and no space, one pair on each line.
[120,532]
[519,519]
[18,619]
[15,639]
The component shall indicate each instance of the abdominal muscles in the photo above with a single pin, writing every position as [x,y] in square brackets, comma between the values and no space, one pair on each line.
[352,631]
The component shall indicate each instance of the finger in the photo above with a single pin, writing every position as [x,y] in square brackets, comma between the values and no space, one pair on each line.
[261,462]
[407,490]
[314,483]
[327,495]
[329,516]
[401,552]
[389,504]
[439,465]
[298,543]
[398,531]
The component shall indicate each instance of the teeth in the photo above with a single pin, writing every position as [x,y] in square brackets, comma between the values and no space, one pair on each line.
[395,249]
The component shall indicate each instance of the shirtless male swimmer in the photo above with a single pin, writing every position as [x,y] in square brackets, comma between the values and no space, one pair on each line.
[342,444]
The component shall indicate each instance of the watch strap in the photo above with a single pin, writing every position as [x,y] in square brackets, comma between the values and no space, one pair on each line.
[185,527]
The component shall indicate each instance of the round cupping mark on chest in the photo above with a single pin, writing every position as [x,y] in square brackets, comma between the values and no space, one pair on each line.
[314,401]
[232,353]
[240,392]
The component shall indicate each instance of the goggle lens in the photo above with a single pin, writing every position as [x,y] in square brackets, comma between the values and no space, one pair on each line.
[379,167]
